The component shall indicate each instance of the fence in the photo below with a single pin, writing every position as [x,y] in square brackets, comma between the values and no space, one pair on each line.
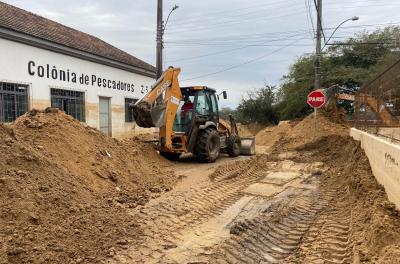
[377,104]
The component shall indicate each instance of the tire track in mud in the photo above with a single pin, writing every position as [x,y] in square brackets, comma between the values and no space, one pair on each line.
[272,236]
[329,238]
[164,222]
[302,226]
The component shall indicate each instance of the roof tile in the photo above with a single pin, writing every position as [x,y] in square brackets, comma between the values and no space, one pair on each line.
[22,21]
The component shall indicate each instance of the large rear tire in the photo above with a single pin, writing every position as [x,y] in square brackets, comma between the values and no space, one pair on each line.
[207,145]
[233,145]
[171,156]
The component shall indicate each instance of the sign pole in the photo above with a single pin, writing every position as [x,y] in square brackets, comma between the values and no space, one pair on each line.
[316,99]
[315,122]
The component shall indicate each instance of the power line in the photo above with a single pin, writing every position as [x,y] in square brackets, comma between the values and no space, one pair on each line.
[309,17]
[226,51]
[245,36]
[203,17]
[250,45]
[230,23]
[319,19]
[236,41]
[209,54]
[242,64]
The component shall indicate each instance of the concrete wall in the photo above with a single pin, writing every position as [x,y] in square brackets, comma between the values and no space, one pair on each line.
[384,157]
[19,63]
[392,132]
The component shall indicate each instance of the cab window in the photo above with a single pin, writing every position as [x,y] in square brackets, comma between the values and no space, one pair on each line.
[203,104]
[214,103]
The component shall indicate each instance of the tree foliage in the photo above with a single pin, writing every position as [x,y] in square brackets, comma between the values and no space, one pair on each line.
[351,64]
[258,107]
[226,111]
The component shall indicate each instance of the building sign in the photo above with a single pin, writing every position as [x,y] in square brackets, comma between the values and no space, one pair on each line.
[52,72]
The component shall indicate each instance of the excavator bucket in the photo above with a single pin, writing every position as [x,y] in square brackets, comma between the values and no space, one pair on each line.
[147,116]
[248,146]
[141,114]
[164,96]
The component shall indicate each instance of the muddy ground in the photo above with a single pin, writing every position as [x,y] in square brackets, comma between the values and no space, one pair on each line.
[305,199]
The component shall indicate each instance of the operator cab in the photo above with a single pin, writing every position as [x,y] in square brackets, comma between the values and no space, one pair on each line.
[196,100]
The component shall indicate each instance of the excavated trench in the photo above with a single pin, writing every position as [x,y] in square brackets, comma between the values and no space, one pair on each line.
[72,195]
[259,210]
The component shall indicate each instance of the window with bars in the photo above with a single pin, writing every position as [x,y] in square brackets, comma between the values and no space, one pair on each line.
[128,110]
[13,101]
[71,102]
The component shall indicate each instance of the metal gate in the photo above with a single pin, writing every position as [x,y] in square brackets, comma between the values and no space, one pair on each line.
[13,101]
[104,115]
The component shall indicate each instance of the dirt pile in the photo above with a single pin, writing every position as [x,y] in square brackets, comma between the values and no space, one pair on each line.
[362,204]
[249,129]
[270,135]
[360,209]
[291,134]
[298,133]
[65,188]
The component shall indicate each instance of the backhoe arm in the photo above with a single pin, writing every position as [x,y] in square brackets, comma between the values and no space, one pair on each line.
[159,106]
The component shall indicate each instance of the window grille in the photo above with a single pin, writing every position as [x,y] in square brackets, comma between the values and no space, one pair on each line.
[71,102]
[13,101]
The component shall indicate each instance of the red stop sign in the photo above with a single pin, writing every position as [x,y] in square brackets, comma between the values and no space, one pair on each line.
[316,99]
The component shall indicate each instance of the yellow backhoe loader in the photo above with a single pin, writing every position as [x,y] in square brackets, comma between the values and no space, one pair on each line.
[188,121]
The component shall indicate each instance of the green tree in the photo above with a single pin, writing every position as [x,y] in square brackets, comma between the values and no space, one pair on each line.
[226,111]
[351,63]
[258,107]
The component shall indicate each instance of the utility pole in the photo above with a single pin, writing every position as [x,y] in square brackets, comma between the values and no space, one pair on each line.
[317,84]
[159,56]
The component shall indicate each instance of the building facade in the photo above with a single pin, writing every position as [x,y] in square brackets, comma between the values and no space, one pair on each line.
[45,64]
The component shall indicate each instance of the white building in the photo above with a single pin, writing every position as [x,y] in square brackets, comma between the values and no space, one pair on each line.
[45,64]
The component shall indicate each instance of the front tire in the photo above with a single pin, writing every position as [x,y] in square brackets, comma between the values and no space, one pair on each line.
[208,145]
[234,145]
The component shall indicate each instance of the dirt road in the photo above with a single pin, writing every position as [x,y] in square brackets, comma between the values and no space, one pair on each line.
[303,205]
[245,211]
[107,201]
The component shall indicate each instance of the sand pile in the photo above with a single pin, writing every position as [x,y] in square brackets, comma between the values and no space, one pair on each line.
[270,135]
[294,133]
[375,221]
[65,188]
[249,129]
[303,132]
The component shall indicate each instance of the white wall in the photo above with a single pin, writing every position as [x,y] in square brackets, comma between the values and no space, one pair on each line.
[14,60]
[384,158]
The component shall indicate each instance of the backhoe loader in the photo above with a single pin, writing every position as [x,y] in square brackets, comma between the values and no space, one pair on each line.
[188,120]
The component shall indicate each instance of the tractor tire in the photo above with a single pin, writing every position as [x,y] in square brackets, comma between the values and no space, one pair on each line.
[207,145]
[171,156]
[233,146]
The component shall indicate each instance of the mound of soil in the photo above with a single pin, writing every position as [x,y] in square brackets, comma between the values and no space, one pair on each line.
[249,129]
[65,189]
[295,134]
[374,221]
[270,135]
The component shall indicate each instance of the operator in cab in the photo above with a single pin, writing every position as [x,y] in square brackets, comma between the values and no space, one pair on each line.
[187,107]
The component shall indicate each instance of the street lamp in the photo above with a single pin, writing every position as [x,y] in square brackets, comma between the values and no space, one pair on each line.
[354,18]
[166,22]
[161,26]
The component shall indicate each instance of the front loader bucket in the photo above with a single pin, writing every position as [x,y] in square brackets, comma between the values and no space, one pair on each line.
[248,146]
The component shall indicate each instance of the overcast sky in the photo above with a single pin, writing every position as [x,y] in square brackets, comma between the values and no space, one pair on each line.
[232,45]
